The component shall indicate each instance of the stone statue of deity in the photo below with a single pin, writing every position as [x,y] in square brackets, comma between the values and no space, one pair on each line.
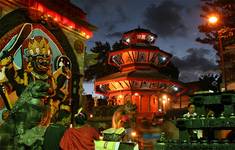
[36,66]
[33,91]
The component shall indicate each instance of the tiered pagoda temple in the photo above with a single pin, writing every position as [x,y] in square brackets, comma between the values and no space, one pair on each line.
[139,80]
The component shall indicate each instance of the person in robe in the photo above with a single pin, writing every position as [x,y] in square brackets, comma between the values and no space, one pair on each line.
[81,136]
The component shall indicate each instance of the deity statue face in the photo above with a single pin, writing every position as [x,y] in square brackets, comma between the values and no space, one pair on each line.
[41,63]
[39,54]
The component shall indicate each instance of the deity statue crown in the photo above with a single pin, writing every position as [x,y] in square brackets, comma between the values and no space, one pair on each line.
[38,46]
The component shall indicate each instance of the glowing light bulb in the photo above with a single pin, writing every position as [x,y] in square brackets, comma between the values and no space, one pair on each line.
[213,19]
[176,88]
[133,134]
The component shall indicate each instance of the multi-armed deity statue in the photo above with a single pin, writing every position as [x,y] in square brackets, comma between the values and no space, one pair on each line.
[32,90]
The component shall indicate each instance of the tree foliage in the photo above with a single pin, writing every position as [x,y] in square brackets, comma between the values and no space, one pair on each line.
[170,70]
[224,9]
[119,45]
[101,68]
[90,59]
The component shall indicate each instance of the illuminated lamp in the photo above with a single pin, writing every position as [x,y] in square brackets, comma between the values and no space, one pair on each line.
[213,19]
[175,88]
[163,58]
[120,96]
[136,94]
[164,96]
[83,33]
[126,41]
[91,115]
[133,134]
[150,38]
[87,36]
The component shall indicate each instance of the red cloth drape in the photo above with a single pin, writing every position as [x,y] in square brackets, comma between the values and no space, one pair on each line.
[79,138]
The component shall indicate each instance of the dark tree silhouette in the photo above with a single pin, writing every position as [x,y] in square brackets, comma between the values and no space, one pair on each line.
[210,82]
[101,68]
[170,70]
[119,45]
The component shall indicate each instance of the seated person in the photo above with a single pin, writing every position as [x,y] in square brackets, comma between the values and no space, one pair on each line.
[81,136]
[194,134]
[191,111]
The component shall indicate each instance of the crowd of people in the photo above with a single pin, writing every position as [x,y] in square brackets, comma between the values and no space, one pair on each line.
[61,135]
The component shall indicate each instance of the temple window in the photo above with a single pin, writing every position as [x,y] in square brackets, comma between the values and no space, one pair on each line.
[141,36]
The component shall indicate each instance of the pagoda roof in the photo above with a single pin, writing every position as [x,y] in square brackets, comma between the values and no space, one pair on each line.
[139,30]
[69,10]
[139,54]
[136,74]
[136,46]
[147,80]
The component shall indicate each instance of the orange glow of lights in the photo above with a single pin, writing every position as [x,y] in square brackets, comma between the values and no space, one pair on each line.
[91,115]
[136,94]
[133,134]
[213,19]
[164,96]
[40,8]
[62,20]
[83,33]
[87,36]
[120,96]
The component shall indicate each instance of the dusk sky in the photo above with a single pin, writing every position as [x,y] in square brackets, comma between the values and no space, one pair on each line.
[174,21]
